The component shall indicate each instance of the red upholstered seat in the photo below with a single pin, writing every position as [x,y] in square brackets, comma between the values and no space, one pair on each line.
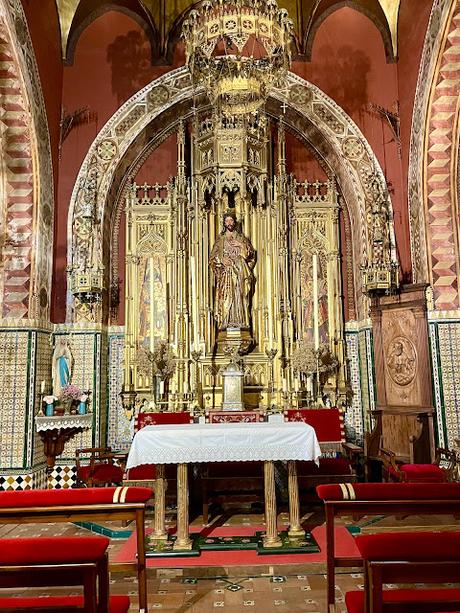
[391,491]
[406,600]
[424,473]
[144,472]
[327,423]
[77,497]
[413,546]
[117,604]
[52,550]
[103,473]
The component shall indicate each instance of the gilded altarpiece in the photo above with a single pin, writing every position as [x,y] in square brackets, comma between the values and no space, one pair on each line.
[171,230]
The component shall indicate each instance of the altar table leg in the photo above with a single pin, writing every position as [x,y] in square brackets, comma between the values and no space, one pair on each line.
[183,540]
[271,538]
[159,529]
[295,528]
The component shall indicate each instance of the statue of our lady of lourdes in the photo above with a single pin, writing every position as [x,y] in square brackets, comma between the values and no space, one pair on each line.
[61,365]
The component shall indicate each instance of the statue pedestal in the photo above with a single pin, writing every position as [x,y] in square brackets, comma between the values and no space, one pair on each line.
[232,388]
[234,340]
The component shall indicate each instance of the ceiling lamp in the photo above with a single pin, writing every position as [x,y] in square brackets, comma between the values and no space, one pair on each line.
[238,50]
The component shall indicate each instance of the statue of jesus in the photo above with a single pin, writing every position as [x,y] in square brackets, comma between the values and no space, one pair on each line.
[232,260]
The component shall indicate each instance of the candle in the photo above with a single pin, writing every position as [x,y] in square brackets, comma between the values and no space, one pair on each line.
[194,305]
[268,274]
[315,300]
[296,384]
[284,385]
[42,387]
[185,386]
[309,385]
[162,388]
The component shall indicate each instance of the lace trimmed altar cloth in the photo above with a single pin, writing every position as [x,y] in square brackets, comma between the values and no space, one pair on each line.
[181,444]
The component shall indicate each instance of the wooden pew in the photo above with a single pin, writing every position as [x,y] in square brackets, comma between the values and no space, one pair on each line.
[92,504]
[408,557]
[380,499]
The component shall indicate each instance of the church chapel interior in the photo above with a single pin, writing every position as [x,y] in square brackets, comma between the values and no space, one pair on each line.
[229,275]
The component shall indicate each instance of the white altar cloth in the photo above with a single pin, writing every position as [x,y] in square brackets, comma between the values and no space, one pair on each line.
[185,443]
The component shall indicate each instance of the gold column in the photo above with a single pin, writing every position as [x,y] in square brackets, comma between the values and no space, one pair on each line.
[271,538]
[295,529]
[183,539]
[159,530]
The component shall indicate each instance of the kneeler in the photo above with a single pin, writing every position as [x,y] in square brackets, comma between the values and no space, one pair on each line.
[405,558]
[58,561]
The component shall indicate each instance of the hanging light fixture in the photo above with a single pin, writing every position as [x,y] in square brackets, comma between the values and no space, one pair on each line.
[238,50]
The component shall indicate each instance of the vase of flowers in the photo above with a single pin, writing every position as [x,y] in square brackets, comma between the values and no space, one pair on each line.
[70,398]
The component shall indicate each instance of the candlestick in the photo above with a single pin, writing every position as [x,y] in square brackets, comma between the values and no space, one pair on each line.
[315,300]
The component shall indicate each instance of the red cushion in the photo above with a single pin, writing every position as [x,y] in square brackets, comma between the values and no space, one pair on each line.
[327,466]
[327,423]
[117,604]
[144,471]
[392,491]
[413,546]
[429,473]
[52,549]
[355,600]
[69,497]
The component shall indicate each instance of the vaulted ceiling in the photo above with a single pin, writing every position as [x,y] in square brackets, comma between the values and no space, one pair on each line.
[162,19]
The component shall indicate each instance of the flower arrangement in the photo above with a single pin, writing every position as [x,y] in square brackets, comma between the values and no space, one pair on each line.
[70,392]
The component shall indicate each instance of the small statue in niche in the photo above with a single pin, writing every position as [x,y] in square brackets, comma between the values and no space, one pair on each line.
[232,261]
[61,365]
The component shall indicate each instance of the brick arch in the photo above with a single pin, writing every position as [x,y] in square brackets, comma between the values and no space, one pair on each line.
[433,159]
[27,204]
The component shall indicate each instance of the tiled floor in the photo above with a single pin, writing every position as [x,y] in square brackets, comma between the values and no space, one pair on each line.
[261,589]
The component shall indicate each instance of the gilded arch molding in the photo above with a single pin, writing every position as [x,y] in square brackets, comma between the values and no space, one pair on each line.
[432,190]
[28,203]
[307,109]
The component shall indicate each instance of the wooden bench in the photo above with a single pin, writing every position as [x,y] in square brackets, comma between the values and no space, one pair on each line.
[408,557]
[58,561]
[92,504]
[380,499]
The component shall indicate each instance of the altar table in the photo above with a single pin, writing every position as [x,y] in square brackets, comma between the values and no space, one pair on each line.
[182,444]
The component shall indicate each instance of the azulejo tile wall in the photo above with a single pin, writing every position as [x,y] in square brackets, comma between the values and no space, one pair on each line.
[119,432]
[445,354]
[26,355]
[358,339]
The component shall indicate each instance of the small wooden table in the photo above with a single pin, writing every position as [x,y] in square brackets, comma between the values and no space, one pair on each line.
[189,443]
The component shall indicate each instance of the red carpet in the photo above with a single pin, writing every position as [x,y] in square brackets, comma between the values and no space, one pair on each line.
[345,546]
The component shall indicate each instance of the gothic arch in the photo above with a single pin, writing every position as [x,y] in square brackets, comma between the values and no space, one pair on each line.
[83,19]
[307,110]
[432,189]
[375,14]
[26,220]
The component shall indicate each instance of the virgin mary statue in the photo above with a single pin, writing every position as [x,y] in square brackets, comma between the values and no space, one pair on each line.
[61,366]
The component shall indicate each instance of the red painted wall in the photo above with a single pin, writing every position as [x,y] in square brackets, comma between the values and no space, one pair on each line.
[112,61]
[43,22]
[410,44]
[349,65]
